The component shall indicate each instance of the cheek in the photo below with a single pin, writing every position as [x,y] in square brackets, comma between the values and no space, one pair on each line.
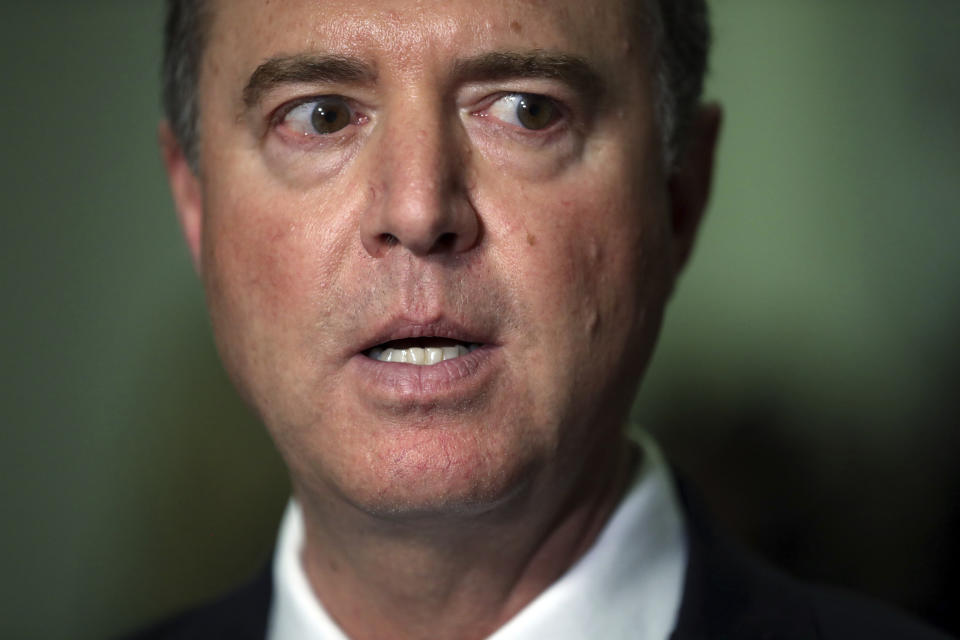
[271,272]
[253,266]
[272,250]
[590,255]
[598,251]
[251,270]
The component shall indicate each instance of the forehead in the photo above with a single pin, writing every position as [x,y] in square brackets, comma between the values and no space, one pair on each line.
[410,34]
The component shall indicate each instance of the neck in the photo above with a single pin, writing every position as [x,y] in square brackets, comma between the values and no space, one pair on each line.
[458,578]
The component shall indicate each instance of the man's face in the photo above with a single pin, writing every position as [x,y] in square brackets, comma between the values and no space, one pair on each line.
[432,174]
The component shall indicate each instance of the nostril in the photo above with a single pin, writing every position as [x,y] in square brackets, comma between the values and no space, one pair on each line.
[389,239]
[446,241]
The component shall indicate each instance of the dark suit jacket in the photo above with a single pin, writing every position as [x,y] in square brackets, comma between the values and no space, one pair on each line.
[728,594]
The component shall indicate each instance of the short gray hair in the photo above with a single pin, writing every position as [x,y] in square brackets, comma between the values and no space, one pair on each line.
[184,40]
[682,41]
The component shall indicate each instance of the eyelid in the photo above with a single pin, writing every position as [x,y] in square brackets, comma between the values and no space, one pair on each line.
[563,112]
[305,137]
[277,115]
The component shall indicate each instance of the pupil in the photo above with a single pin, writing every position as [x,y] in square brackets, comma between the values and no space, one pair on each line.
[534,112]
[330,115]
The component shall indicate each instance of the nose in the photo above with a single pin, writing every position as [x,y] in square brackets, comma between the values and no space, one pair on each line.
[419,199]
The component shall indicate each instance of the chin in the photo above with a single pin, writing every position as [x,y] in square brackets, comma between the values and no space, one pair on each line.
[438,472]
[440,502]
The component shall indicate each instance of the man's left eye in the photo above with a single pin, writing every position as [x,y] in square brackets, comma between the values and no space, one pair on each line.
[528,110]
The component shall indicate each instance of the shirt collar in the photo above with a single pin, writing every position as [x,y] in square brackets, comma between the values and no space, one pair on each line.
[627,585]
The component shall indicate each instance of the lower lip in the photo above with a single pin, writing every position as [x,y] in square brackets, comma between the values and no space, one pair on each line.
[455,379]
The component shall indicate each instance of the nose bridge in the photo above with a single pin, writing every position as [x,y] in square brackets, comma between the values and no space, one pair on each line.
[420,203]
[416,175]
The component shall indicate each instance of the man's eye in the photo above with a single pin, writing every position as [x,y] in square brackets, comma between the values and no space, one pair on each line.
[527,110]
[323,116]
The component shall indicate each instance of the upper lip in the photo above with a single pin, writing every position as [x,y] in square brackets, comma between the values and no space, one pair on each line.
[401,328]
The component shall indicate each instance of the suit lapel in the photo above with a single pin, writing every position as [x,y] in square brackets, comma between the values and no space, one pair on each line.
[730,594]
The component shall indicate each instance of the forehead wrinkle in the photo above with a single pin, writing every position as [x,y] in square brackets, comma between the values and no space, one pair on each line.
[391,37]
[398,40]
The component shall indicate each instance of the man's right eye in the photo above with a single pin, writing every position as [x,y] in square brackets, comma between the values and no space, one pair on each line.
[320,116]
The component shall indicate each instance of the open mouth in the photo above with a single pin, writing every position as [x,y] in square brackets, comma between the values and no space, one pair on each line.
[421,351]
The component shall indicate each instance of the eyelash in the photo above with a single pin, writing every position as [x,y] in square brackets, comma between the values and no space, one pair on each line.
[357,117]
[279,117]
[559,119]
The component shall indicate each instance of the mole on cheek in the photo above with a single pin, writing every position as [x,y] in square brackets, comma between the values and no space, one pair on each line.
[516,27]
[531,239]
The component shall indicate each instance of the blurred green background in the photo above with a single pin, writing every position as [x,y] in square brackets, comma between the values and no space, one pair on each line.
[807,380]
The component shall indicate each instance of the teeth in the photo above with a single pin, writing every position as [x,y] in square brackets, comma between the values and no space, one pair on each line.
[422,356]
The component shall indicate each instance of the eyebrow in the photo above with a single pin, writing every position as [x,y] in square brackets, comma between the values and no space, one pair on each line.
[500,65]
[305,68]
[503,65]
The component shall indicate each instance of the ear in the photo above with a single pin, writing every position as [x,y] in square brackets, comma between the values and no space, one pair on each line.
[690,181]
[186,190]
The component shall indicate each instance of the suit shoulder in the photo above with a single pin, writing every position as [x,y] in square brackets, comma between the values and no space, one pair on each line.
[239,615]
[729,592]
[840,614]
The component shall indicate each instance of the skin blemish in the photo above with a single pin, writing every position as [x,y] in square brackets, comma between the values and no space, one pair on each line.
[593,323]
[516,27]
[531,239]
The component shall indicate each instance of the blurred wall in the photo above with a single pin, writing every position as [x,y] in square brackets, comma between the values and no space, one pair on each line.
[806,380]
[808,375]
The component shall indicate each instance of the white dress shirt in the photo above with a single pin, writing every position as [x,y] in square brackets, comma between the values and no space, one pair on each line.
[627,585]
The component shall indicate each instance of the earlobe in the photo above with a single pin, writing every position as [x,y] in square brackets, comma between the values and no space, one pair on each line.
[186,191]
[690,181]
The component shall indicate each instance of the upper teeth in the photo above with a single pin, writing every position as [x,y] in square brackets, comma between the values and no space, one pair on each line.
[424,356]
